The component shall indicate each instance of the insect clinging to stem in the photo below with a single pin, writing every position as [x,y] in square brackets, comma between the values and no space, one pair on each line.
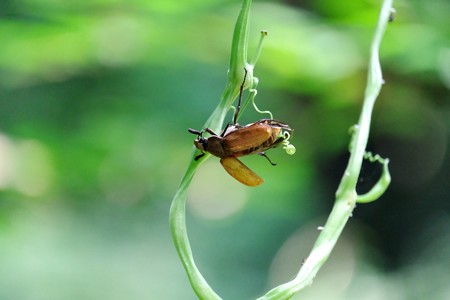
[236,141]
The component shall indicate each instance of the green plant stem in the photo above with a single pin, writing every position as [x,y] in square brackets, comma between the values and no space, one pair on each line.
[346,195]
[177,214]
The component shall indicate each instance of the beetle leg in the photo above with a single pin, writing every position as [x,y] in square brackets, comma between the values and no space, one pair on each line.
[241,90]
[199,133]
[210,132]
[199,156]
[225,130]
[264,155]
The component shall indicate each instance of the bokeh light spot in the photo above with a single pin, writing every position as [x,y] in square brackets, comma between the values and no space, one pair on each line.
[214,194]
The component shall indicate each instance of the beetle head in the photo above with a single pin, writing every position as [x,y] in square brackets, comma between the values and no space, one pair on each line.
[201,143]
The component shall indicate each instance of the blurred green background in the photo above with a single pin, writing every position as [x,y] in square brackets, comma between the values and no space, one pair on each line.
[95,101]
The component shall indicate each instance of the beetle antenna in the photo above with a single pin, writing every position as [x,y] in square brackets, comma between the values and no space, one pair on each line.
[241,90]
[195,131]
[264,155]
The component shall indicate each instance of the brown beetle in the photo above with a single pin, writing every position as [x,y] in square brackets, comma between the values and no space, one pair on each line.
[236,141]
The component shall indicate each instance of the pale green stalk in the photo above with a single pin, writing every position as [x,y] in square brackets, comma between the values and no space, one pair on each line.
[346,196]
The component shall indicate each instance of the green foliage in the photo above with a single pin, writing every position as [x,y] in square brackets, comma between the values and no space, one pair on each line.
[95,100]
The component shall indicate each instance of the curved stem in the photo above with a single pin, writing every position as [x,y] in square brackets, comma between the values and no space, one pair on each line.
[379,188]
[177,215]
[346,195]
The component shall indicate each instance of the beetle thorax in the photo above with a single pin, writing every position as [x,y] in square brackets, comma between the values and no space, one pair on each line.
[215,147]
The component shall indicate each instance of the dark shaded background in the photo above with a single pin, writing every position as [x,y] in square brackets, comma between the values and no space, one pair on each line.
[95,100]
